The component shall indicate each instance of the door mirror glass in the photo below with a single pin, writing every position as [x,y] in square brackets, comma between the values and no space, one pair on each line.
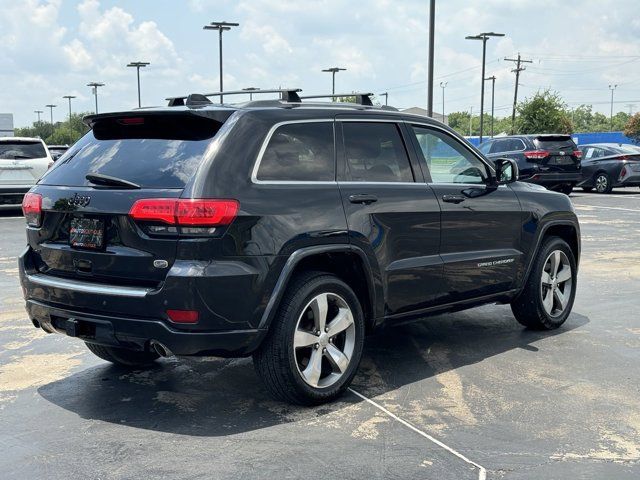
[506,171]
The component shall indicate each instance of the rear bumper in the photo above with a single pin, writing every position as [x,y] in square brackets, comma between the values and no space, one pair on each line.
[11,195]
[132,317]
[552,179]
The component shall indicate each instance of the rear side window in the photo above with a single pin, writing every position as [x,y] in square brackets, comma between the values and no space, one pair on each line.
[554,142]
[375,152]
[299,152]
[153,152]
[22,150]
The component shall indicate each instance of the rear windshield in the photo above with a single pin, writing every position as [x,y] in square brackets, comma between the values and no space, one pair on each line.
[153,152]
[19,150]
[559,142]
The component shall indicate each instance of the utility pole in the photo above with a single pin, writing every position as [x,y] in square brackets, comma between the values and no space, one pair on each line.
[470,121]
[38,112]
[386,98]
[333,71]
[432,29]
[483,37]
[493,96]
[443,85]
[69,97]
[250,90]
[138,65]
[221,27]
[94,88]
[519,68]
[51,107]
[612,88]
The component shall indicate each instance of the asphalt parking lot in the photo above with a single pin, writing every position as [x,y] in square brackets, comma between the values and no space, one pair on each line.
[450,398]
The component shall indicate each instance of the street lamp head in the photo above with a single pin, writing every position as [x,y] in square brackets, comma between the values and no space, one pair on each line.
[95,84]
[220,26]
[138,64]
[69,96]
[50,106]
[443,84]
[250,89]
[484,36]
[333,69]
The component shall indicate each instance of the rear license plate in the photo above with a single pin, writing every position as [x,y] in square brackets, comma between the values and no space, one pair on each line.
[561,160]
[87,233]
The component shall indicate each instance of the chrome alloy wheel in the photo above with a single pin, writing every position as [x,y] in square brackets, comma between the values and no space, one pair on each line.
[557,282]
[602,182]
[324,340]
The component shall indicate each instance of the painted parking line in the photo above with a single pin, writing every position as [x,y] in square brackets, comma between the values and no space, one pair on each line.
[482,472]
[586,207]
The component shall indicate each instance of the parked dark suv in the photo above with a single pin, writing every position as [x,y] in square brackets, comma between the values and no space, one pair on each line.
[552,161]
[285,230]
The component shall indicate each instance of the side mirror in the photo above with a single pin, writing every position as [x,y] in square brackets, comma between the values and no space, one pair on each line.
[506,171]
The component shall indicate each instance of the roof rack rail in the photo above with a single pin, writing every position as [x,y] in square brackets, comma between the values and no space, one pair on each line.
[195,99]
[361,98]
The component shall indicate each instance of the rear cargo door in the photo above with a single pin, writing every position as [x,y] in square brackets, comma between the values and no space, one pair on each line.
[561,153]
[87,196]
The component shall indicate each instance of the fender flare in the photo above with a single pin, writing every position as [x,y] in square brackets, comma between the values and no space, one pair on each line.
[294,259]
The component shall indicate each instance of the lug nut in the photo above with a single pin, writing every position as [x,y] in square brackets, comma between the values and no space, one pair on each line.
[316,346]
[326,329]
[324,350]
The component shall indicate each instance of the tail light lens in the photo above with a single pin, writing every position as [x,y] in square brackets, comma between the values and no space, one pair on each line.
[32,209]
[536,154]
[577,154]
[183,316]
[189,212]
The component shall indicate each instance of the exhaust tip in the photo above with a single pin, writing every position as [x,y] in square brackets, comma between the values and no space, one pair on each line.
[160,349]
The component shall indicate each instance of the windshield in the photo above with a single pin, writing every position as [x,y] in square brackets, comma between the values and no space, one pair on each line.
[22,150]
[153,152]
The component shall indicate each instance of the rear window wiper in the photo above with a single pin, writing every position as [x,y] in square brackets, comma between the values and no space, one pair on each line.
[109,181]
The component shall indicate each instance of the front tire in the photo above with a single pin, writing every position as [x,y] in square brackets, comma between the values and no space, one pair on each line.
[122,356]
[314,345]
[566,189]
[547,297]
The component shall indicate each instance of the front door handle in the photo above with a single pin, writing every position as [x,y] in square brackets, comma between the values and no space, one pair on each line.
[453,198]
[364,198]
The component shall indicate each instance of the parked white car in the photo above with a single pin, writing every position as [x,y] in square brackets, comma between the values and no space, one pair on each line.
[22,162]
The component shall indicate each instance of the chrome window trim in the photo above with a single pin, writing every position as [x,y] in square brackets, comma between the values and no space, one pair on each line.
[479,157]
[87,287]
[263,148]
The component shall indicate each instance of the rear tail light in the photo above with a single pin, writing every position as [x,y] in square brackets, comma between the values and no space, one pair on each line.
[623,172]
[536,154]
[623,157]
[32,209]
[190,212]
[183,316]
[577,154]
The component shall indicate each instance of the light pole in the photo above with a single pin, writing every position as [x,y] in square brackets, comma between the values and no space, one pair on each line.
[483,37]
[94,86]
[386,98]
[432,27]
[333,71]
[443,85]
[493,96]
[51,107]
[250,90]
[221,27]
[69,97]
[38,112]
[138,66]
[612,88]
[470,121]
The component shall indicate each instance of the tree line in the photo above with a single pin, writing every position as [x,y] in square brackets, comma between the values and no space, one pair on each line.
[545,112]
[60,133]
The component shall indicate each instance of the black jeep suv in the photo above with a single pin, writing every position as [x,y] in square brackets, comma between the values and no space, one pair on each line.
[552,161]
[285,230]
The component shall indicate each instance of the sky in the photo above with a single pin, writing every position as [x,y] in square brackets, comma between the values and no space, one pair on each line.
[52,48]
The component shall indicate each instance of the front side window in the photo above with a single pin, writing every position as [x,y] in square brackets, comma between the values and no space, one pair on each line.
[375,152]
[447,159]
[299,152]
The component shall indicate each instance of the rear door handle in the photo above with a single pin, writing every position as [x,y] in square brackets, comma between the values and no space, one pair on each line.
[453,198]
[364,198]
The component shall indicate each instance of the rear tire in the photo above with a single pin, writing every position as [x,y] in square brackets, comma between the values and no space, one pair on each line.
[547,298]
[566,189]
[603,184]
[123,356]
[304,359]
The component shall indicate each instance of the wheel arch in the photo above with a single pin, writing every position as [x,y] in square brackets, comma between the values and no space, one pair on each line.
[347,262]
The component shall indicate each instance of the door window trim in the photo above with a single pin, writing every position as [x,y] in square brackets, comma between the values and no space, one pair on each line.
[265,144]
